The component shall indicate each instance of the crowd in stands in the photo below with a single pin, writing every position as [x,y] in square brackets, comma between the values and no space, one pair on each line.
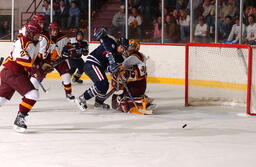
[5,29]
[145,19]
[68,13]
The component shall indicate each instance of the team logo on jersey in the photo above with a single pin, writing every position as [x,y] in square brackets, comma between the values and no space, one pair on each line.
[113,46]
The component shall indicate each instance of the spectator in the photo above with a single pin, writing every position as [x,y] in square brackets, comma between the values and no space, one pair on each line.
[134,23]
[74,15]
[157,29]
[201,31]
[234,34]
[228,8]
[209,13]
[225,28]
[172,34]
[63,14]
[250,30]
[5,28]
[175,14]
[56,8]
[184,22]
[46,10]
[118,22]
[181,4]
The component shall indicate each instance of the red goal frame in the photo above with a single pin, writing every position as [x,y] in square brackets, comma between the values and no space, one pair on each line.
[249,70]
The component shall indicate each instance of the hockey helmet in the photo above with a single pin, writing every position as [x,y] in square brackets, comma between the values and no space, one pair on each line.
[39,18]
[123,42]
[79,33]
[33,28]
[135,44]
[53,25]
[99,32]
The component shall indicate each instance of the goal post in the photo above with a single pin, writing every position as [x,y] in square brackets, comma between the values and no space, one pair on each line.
[220,74]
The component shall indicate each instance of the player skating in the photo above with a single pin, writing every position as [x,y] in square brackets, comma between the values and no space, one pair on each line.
[132,80]
[104,58]
[76,62]
[16,74]
[59,50]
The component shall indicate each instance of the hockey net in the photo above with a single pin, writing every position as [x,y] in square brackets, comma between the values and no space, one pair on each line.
[220,74]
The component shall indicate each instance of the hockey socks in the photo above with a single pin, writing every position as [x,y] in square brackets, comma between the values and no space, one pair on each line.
[26,105]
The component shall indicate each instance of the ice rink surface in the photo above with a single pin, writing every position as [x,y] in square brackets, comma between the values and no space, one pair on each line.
[59,135]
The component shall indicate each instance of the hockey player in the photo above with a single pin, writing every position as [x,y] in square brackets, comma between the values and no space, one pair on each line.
[104,58]
[132,80]
[77,62]
[59,50]
[15,75]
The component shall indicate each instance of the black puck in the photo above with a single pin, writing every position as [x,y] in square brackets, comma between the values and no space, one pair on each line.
[184,125]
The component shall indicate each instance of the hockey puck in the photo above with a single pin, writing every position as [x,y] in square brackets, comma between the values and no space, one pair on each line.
[184,125]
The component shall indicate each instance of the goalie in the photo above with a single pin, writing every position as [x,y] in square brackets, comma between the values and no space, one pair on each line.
[132,80]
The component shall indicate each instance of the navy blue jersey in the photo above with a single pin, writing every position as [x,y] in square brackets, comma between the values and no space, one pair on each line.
[98,55]
[81,47]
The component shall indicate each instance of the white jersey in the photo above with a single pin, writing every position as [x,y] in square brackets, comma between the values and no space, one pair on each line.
[56,47]
[23,55]
[251,32]
[43,42]
[234,34]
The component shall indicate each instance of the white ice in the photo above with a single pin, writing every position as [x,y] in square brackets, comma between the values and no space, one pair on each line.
[60,136]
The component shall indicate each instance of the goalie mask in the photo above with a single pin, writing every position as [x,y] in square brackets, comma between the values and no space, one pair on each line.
[134,45]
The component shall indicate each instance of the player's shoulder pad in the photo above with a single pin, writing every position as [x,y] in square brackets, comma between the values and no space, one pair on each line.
[45,34]
[61,36]
[24,41]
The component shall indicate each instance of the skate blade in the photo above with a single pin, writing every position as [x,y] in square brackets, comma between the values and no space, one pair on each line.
[82,108]
[100,108]
[71,100]
[19,129]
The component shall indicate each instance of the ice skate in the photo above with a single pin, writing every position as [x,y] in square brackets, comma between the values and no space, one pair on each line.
[70,97]
[20,123]
[98,105]
[77,80]
[81,103]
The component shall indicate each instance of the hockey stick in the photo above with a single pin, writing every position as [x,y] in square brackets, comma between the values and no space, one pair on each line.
[109,93]
[1,60]
[42,87]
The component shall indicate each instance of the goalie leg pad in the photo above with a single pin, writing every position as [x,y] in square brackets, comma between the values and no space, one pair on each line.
[125,104]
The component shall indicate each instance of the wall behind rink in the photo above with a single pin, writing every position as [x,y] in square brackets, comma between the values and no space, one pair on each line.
[165,63]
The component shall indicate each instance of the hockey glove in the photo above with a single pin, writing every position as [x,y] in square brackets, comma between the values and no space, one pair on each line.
[113,68]
[68,52]
[110,58]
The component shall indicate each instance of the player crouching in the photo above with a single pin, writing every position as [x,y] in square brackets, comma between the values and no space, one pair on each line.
[132,80]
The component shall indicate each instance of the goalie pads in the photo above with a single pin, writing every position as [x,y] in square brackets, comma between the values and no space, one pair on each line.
[125,104]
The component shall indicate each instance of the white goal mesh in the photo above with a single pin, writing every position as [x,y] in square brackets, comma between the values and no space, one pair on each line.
[219,74]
